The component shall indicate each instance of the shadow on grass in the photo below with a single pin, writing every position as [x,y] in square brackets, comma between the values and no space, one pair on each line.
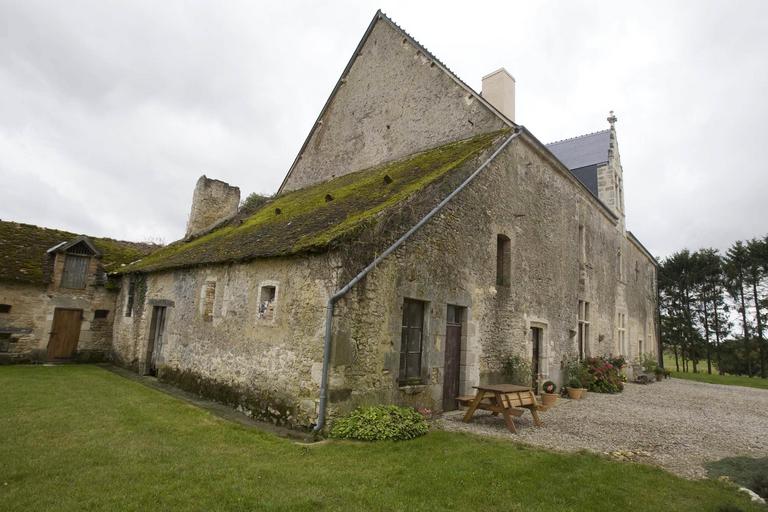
[748,472]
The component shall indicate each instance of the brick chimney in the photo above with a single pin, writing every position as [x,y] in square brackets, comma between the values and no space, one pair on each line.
[499,90]
[212,202]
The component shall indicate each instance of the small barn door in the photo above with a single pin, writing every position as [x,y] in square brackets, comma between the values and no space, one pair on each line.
[156,336]
[451,370]
[65,333]
[536,335]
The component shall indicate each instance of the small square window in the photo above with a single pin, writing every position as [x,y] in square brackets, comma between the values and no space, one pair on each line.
[267,298]
[5,308]
[100,314]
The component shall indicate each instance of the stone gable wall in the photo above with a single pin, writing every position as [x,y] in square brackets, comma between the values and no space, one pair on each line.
[394,102]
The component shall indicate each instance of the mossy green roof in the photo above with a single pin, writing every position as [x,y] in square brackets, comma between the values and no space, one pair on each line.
[23,249]
[321,216]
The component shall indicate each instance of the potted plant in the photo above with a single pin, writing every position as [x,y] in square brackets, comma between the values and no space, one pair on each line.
[659,372]
[549,395]
[575,391]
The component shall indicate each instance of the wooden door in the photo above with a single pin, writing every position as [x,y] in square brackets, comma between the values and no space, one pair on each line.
[156,336]
[535,358]
[452,368]
[65,333]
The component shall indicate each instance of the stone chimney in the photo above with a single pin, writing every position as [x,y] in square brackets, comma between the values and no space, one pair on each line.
[499,90]
[212,202]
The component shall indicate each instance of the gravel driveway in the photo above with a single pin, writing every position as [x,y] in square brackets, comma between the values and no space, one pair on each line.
[677,424]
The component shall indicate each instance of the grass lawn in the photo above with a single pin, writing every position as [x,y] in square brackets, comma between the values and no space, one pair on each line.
[82,438]
[714,378]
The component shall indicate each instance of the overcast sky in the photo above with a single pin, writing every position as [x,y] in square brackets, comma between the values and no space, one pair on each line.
[110,111]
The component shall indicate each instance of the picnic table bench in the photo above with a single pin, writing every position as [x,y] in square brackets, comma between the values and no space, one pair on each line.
[506,399]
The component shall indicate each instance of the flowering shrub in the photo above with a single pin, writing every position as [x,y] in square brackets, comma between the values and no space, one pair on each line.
[549,387]
[606,377]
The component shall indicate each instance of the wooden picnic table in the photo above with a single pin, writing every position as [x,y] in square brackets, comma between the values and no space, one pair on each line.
[505,399]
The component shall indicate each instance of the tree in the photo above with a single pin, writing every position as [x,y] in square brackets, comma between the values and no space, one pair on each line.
[756,272]
[737,261]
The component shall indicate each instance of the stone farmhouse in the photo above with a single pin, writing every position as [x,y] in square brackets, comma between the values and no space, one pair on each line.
[56,302]
[419,239]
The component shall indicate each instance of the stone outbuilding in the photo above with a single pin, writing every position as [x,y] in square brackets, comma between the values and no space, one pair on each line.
[420,239]
[56,302]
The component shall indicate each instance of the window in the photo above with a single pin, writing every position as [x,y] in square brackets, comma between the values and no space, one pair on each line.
[267,298]
[582,245]
[583,332]
[621,266]
[622,334]
[411,341]
[5,308]
[129,299]
[75,269]
[637,271]
[5,342]
[503,257]
[639,347]
[100,314]
[209,297]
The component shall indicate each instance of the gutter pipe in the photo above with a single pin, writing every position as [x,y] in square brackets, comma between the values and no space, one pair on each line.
[343,291]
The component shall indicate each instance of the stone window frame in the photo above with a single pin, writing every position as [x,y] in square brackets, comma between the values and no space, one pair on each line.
[545,354]
[621,333]
[207,306]
[503,261]
[130,297]
[584,322]
[426,330]
[260,317]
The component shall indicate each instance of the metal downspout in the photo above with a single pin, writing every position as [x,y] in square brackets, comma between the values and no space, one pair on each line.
[339,294]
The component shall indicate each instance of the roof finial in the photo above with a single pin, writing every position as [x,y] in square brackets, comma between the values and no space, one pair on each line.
[612,118]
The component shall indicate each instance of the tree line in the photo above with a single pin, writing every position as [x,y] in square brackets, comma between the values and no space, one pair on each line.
[713,308]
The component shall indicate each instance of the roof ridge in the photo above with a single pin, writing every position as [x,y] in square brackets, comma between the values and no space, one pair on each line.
[74,234]
[577,137]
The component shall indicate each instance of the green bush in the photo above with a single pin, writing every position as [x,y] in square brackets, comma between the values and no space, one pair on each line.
[379,423]
[517,370]
[649,363]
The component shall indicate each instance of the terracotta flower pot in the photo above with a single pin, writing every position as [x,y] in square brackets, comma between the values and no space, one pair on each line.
[575,393]
[659,376]
[548,399]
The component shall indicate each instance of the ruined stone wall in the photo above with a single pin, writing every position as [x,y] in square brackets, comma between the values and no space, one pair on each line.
[213,201]
[395,101]
[452,260]
[32,310]
[229,349]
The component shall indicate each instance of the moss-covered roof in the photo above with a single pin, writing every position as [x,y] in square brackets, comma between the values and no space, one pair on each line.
[316,218]
[23,251]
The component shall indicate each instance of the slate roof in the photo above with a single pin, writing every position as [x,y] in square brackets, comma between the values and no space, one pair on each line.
[321,216]
[590,149]
[23,251]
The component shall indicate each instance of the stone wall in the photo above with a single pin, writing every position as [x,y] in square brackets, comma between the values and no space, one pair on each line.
[394,101]
[267,367]
[32,309]
[452,260]
[213,201]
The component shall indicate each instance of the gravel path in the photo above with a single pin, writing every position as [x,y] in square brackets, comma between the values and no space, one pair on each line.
[677,424]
